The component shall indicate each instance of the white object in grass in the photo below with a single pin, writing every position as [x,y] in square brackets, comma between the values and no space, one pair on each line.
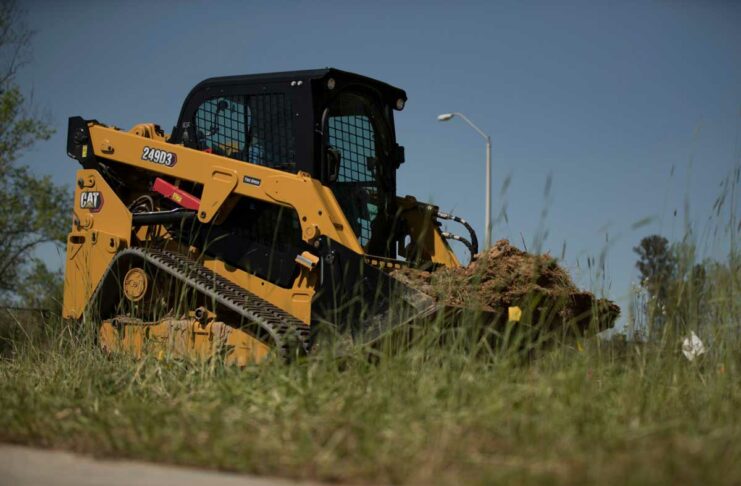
[692,347]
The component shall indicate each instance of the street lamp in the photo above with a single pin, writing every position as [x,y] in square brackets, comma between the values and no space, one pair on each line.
[487,226]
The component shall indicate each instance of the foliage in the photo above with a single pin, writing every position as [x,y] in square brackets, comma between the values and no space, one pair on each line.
[453,413]
[446,407]
[35,209]
[657,264]
[679,290]
[42,288]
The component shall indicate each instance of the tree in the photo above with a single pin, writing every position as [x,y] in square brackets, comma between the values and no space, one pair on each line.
[680,293]
[42,288]
[657,264]
[34,209]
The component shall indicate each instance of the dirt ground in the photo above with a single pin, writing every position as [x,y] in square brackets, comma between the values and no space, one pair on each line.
[506,276]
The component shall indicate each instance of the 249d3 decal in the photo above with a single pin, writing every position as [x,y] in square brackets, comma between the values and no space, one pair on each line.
[168,159]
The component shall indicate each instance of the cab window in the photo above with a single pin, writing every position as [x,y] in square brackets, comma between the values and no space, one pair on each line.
[359,137]
[256,129]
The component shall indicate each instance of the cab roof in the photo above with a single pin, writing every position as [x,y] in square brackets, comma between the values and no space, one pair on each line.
[390,92]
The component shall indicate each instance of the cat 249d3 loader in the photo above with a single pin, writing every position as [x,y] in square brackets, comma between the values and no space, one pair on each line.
[269,212]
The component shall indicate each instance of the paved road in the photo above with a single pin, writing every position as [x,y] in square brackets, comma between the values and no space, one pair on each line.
[23,466]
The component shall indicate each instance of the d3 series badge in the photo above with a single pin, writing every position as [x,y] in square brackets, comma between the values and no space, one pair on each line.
[91,200]
[162,157]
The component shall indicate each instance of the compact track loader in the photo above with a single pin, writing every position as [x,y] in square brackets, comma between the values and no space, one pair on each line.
[268,213]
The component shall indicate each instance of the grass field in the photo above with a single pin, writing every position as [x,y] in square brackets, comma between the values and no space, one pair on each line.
[462,412]
[459,413]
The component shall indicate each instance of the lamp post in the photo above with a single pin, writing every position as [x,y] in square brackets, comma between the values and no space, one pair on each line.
[487,138]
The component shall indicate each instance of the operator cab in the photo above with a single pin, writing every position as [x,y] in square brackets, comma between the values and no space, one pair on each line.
[336,126]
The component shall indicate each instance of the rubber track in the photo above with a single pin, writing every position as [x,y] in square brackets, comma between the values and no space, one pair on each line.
[260,316]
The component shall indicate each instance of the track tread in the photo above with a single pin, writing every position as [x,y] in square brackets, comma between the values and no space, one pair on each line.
[259,315]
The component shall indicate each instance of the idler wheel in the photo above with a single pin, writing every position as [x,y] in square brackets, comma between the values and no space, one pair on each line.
[135,284]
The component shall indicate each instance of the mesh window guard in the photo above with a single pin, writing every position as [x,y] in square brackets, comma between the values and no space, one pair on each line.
[354,137]
[256,129]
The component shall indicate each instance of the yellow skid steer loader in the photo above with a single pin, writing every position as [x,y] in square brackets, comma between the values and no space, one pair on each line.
[270,209]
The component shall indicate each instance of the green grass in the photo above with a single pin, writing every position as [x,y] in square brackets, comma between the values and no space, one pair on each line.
[612,413]
[442,411]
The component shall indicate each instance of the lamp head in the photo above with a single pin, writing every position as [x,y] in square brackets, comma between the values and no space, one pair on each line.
[445,116]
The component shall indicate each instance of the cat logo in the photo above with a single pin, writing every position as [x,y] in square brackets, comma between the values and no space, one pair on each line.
[91,200]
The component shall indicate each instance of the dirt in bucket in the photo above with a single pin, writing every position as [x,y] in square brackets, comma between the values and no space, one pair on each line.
[506,276]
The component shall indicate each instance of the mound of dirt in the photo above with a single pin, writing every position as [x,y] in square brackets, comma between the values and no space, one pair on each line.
[506,276]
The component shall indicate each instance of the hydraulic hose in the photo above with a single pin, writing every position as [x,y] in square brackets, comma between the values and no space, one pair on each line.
[473,245]
[162,217]
[450,236]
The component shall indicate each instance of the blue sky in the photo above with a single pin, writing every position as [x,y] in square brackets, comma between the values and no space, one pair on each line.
[632,109]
